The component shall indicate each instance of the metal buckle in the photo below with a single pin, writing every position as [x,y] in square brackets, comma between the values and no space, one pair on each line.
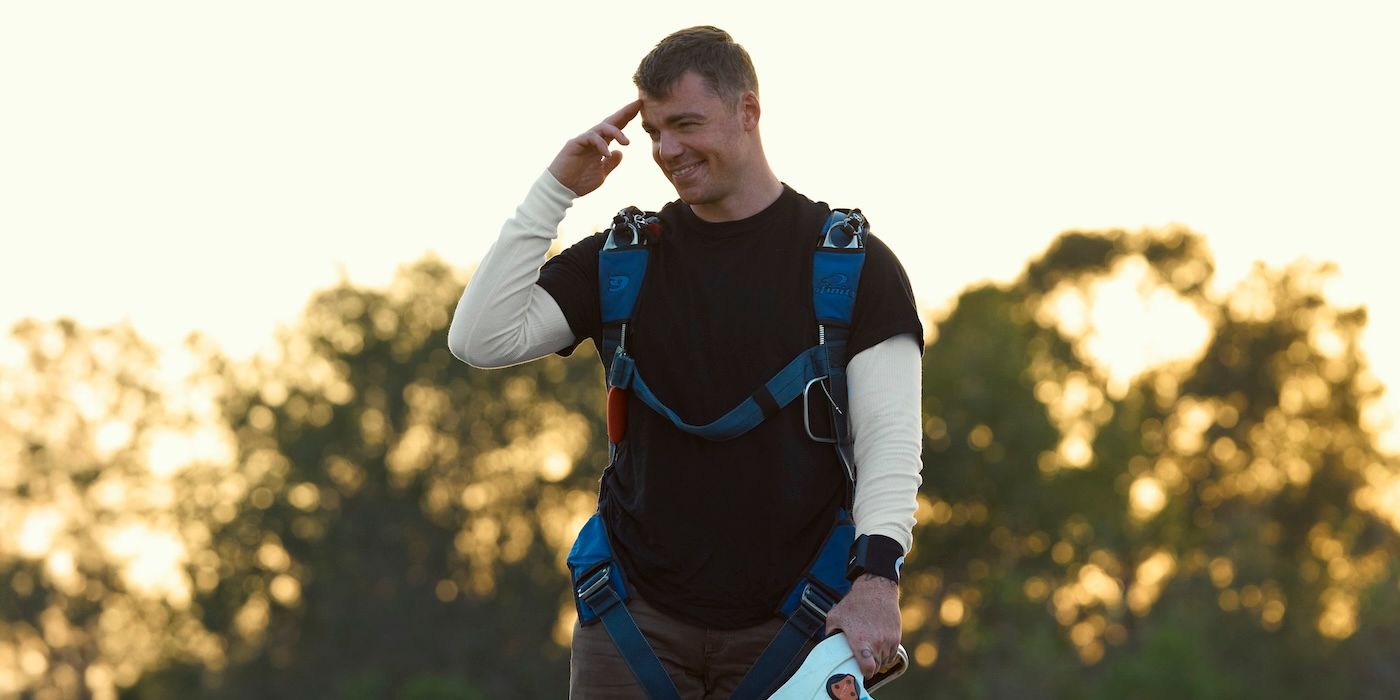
[853,226]
[807,409]
[632,220]
[816,600]
[593,583]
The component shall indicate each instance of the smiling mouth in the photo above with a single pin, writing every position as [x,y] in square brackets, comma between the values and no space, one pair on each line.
[687,170]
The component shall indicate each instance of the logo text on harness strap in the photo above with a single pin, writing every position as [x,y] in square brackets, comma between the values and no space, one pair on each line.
[836,284]
[617,283]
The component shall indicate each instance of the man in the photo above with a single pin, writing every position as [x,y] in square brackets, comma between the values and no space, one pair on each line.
[711,534]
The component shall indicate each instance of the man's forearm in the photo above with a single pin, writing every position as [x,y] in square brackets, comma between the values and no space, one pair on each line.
[503,317]
[884,383]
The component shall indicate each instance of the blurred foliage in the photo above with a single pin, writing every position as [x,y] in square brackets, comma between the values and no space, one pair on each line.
[406,514]
[1208,529]
[96,539]
[360,515]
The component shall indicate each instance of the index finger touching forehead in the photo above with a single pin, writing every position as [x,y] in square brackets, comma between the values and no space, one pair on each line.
[620,118]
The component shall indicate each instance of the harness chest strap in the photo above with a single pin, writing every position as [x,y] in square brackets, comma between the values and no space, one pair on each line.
[836,268]
[793,381]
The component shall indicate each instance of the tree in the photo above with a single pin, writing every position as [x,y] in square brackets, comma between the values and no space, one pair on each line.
[407,515]
[1201,530]
[95,572]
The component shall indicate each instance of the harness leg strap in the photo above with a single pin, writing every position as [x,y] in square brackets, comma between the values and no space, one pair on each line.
[602,599]
[784,654]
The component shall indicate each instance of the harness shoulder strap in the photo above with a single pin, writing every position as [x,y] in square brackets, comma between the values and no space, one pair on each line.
[836,268]
[622,267]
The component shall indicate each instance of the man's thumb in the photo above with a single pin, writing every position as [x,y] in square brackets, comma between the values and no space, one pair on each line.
[611,162]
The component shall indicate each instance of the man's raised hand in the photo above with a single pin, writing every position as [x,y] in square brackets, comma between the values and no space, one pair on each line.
[585,161]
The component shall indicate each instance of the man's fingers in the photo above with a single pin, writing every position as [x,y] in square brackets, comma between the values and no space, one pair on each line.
[872,657]
[867,662]
[887,660]
[598,138]
[578,164]
[611,162]
[613,132]
[620,118]
[599,143]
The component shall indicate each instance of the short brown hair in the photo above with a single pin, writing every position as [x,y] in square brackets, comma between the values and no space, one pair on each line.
[710,52]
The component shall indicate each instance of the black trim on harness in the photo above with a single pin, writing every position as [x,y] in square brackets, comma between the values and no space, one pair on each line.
[766,402]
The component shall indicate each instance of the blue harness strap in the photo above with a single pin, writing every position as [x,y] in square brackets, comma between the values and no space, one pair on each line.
[793,381]
[784,654]
[622,267]
[596,592]
[836,267]
[805,607]
[600,592]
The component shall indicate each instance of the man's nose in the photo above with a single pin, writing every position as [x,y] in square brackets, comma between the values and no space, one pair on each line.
[669,147]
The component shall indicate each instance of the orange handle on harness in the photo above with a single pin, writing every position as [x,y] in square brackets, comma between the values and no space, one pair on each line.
[617,414]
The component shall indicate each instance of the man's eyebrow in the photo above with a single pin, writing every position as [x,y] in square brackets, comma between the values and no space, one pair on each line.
[684,116]
[674,118]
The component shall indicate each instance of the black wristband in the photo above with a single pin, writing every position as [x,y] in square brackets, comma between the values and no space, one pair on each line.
[877,555]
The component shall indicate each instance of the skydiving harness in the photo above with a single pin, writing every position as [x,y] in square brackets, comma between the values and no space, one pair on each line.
[817,375]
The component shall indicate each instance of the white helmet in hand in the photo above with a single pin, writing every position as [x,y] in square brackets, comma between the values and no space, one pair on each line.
[830,672]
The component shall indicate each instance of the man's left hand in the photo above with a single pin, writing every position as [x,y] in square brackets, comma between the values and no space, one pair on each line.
[869,615]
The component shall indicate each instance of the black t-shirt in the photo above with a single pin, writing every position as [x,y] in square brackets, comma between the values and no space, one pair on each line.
[715,533]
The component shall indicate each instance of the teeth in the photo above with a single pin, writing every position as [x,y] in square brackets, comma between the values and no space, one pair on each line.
[686,169]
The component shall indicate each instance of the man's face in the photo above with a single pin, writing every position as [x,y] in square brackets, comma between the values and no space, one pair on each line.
[703,145]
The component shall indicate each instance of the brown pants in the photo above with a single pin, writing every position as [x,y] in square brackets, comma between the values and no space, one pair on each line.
[703,663]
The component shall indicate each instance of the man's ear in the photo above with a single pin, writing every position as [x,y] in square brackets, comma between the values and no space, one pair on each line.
[749,110]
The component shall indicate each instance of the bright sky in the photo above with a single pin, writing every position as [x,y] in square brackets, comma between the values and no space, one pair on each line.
[208,165]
